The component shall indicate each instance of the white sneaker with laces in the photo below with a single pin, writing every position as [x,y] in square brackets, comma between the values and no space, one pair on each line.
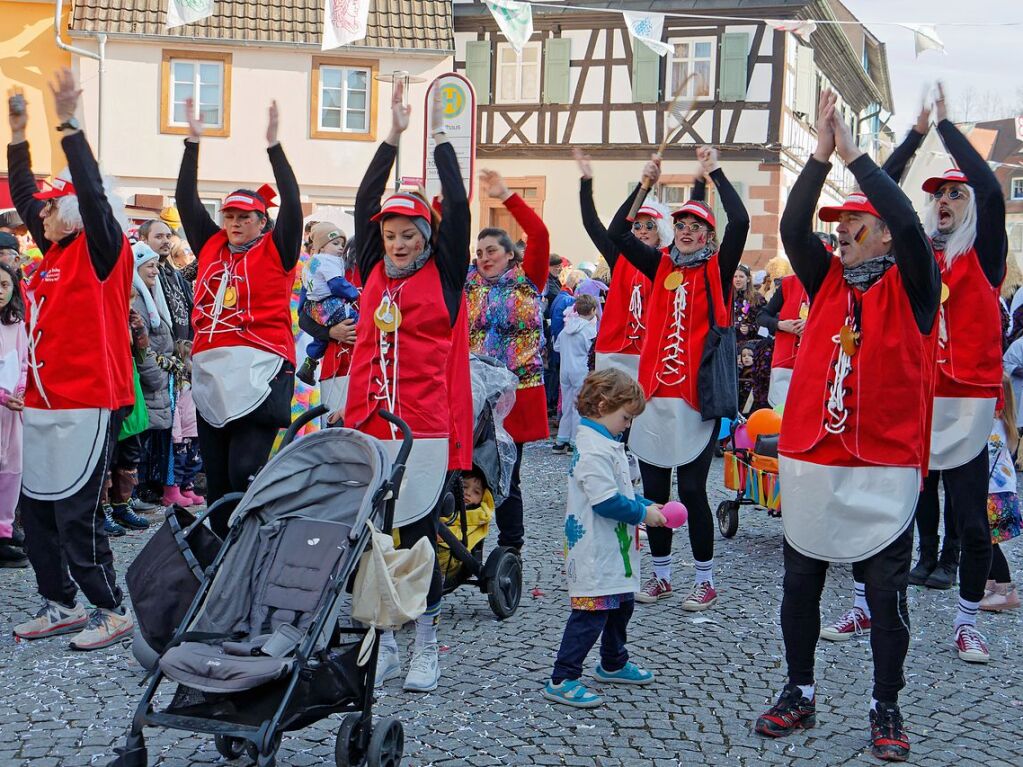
[424,670]
[52,619]
[388,664]
[105,627]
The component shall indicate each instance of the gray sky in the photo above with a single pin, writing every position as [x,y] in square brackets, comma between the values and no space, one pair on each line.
[979,57]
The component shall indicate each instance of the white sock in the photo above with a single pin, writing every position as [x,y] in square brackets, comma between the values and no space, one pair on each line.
[861,597]
[807,690]
[967,613]
[704,572]
[426,626]
[873,704]
[387,640]
[662,567]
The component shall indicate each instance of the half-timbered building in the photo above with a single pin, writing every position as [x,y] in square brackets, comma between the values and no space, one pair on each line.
[582,80]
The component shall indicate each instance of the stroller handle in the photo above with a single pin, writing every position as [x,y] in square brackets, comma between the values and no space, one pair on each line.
[406,435]
[302,420]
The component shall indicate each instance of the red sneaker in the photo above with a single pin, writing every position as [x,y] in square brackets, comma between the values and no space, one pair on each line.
[853,623]
[655,588]
[700,598]
[971,645]
[888,738]
[791,712]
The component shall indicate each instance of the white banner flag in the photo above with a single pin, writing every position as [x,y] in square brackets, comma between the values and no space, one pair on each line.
[187,11]
[515,20]
[647,27]
[800,28]
[925,38]
[344,22]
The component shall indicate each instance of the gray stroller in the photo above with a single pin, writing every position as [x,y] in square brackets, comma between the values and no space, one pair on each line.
[260,650]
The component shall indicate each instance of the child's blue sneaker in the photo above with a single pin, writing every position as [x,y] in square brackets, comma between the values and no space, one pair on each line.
[630,673]
[571,692]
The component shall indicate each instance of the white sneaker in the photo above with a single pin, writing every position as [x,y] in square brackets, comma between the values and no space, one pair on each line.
[424,670]
[105,627]
[52,619]
[388,664]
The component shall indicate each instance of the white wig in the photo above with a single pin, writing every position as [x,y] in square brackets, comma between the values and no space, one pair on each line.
[961,238]
[70,215]
[665,230]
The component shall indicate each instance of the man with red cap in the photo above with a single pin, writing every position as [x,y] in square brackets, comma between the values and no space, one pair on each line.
[855,437]
[243,354]
[79,382]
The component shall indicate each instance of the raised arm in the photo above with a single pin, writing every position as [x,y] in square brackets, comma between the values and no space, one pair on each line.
[991,242]
[645,258]
[287,232]
[195,219]
[896,163]
[536,259]
[20,178]
[809,258]
[591,221]
[733,241]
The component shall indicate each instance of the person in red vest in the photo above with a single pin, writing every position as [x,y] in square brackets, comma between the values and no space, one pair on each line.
[411,353]
[690,282]
[79,383]
[785,316]
[965,219]
[243,354]
[855,436]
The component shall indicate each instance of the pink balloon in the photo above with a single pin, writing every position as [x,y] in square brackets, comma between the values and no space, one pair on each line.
[742,438]
[675,514]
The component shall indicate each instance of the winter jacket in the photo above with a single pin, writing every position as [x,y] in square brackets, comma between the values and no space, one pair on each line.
[574,346]
[154,379]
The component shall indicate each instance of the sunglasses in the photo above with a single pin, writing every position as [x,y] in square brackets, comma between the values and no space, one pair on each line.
[682,226]
[49,206]
[648,225]
[953,194]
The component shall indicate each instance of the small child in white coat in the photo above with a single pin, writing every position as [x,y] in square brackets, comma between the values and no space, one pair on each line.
[601,552]
[573,344]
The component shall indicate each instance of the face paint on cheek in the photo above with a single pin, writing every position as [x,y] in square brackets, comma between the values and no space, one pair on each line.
[861,235]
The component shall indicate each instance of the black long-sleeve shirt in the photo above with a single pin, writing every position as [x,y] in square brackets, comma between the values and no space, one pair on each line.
[912,249]
[648,259]
[451,249]
[594,227]
[103,234]
[768,317]
[896,163]
[199,227]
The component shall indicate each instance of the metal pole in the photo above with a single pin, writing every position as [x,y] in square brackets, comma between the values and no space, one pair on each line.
[58,13]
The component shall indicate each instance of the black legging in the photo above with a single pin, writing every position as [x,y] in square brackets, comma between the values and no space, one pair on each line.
[966,513]
[928,511]
[999,566]
[511,529]
[692,491]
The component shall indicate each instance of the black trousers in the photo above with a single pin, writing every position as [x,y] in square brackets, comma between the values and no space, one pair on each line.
[511,529]
[234,453]
[999,566]
[65,541]
[581,632]
[965,516]
[692,491]
[886,575]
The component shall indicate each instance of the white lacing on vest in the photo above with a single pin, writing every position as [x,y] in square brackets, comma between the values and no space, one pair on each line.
[633,332]
[837,413]
[942,335]
[673,365]
[34,336]
[387,380]
[221,321]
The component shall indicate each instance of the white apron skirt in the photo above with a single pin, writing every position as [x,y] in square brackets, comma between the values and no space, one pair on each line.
[843,513]
[61,449]
[779,391]
[669,433]
[425,471]
[627,363]
[334,392]
[232,381]
[959,430]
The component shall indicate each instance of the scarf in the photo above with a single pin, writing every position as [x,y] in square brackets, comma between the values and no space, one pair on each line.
[862,276]
[690,259]
[244,248]
[396,272]
[939,241]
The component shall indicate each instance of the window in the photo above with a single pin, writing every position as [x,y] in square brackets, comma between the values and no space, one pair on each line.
[674,195]
[213,208]
[343,99]
[689,57]
[1016,193]
[203,77]
[518,75]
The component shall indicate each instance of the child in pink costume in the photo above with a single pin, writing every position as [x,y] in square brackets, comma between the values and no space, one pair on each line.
[13,371]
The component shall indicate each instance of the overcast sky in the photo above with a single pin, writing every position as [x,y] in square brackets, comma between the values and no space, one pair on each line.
[982,57]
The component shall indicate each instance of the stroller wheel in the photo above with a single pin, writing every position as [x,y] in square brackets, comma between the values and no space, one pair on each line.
[350,747]
[228,747]
[386,744]
[728,518]
[504,586]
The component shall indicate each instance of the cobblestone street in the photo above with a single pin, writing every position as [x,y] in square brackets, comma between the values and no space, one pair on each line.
[715,672]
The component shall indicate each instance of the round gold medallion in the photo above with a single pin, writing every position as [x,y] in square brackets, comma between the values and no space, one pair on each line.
[849,339]
[387,317]
[944,292]
[230,296]
[673,281]
[804,312]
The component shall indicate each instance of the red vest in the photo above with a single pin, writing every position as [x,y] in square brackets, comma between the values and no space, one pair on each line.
[460,395]
[256,302]
[787,344]
[678,321]
[884,417]
[416,357]
[338,358]
[621,324]
[970,332]
[79,343]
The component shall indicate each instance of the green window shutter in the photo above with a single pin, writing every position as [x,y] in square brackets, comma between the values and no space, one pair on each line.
[734,57]
[806,81]
[719,210]
[557,65]
[646,73]
[477,68]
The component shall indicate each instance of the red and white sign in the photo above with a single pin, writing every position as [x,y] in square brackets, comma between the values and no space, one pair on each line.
[459,100]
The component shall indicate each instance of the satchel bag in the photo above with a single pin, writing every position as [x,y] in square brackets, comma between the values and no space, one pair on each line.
[717,383]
